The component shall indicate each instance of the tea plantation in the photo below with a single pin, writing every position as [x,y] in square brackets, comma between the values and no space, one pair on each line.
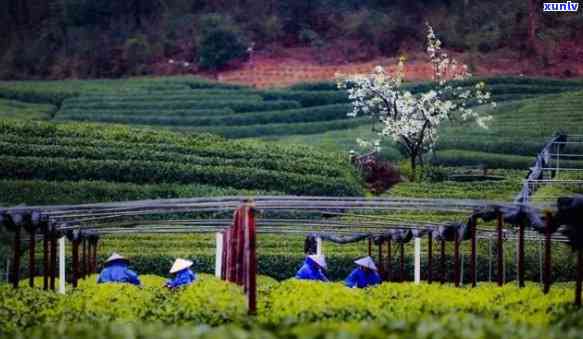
[112,140]
[289,309]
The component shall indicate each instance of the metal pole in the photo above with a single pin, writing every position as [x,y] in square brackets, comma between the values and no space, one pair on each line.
[389,268]
[53,257]
[83,258]
[474,256]
[7,274]
[218,254]
[521,255]
[500,250]
[16,258]
[579,277]
[417,260]
[318,245]
[402,264]
[558,156]
[442,262]
[46,266]
[489,258]
[381,264]
[540,260]
[547,260]
[75,254]
[429,258]
[62,243]
[31,257]
[456,255]
[461,267]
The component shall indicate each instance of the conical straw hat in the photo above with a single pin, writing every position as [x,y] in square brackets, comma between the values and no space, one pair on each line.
[366,262]
[180,264]
[115,256]
[319,259]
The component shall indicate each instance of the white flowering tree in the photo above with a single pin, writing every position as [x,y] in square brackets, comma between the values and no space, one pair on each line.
[413,119]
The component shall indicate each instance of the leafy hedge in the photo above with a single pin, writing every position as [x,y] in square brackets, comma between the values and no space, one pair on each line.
[134,153]
[320,113]
[455,326]
[162,97]
[41,192]
[307,98]
[491,160]
[78,152]
[293,309]
[153,172]
[278,129]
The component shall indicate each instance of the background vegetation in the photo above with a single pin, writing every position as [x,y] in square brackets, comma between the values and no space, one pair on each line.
[109,38]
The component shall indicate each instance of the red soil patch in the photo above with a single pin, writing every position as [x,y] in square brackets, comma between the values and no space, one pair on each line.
[293,65]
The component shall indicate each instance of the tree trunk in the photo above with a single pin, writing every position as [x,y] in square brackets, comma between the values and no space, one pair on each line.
[533,9]
[413,168]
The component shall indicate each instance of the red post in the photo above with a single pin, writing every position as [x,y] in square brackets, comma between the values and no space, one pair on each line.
[547,259]
[369,247]
[429,258]
[252,261]
[474,245]
[46,266]
[520,255]
[457,260]
[389,268]
[31,256]
[402,264]
[500,250]
[443,273]
[579,277]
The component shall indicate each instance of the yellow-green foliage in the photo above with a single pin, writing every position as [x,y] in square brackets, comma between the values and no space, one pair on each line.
[108,302]
[207,301]
[26,307]
[296,301]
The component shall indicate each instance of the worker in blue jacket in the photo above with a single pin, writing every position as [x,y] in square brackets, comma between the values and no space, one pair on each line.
[184,276]
[313,268]
[116,271]
[366,274]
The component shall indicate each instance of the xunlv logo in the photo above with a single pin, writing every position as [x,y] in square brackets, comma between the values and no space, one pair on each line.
[561,6]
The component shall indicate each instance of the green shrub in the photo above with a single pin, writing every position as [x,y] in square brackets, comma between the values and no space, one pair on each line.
[25,308]
[307,98]
[252,131]
[109,302]
[219,41]
[207,301]
[300,301]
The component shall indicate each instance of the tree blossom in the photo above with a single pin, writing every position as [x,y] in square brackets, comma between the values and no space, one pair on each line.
[411,117]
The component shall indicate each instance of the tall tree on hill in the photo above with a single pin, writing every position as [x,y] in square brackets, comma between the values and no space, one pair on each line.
[533,20]
[413,120]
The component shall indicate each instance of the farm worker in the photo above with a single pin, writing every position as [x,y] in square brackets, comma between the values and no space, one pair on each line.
[184,276]
[366,274]
[116,271]
[313,268]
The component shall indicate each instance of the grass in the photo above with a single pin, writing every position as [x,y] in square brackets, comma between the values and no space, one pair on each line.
[24,110]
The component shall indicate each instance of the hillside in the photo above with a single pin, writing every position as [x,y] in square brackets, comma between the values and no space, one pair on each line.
[43,163]
[111,39]
[529,111]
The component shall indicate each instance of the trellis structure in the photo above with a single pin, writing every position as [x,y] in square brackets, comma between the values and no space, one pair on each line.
[371,219]
[561,154]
